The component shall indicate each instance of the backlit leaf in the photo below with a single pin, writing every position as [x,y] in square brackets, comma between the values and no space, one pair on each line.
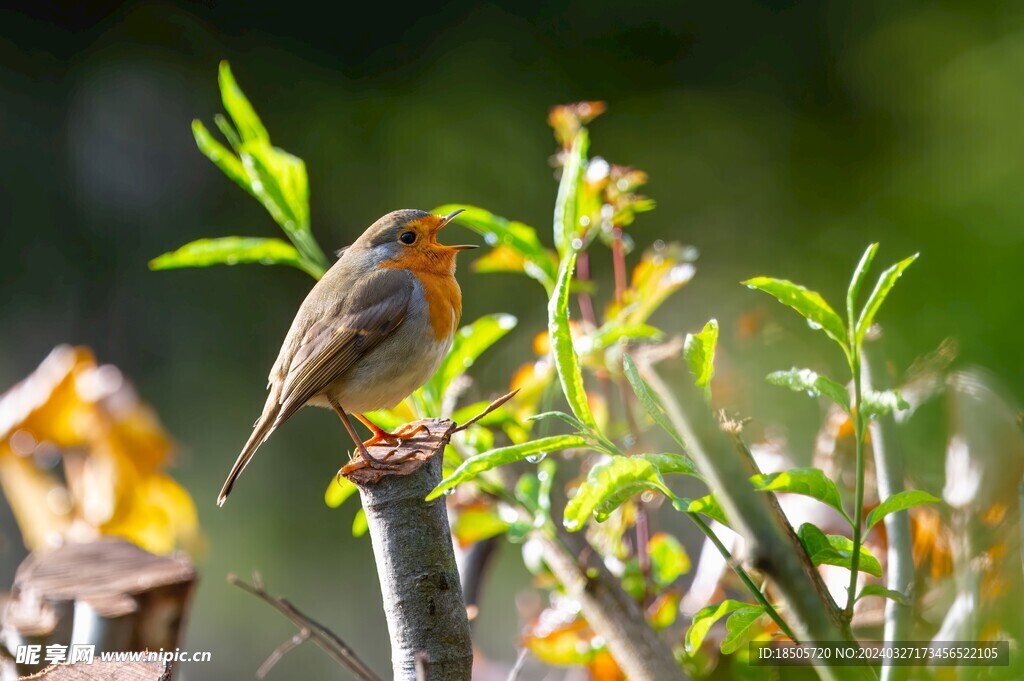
[669,560]
[875,403]
[567,364]
[808,303]
[837,550]
[879,590]
[813,383]
[230,250]
[899,502]
[856,282]
[885,283]
[708,505]
[610,484]
[238,107]
[338,491]
[738,627]
[808,482]
[474,466]
[705,619]
[699,352]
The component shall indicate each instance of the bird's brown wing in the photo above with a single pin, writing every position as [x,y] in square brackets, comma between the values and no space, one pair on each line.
[351,323]
[373,309]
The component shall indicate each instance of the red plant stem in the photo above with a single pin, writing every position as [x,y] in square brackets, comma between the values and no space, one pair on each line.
[586,303]
[619,264]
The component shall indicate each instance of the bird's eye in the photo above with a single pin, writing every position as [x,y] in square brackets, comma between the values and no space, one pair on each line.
[408,238]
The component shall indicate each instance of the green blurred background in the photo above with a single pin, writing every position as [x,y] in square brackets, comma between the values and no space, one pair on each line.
[781,138]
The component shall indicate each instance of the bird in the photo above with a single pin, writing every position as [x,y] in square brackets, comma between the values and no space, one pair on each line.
[373,329]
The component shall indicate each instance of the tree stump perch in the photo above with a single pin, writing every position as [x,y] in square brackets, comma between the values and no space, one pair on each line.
[412,547]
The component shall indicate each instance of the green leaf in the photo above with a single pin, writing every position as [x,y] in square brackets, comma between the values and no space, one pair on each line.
[567,364]
[566,220]
[609,485]
[885,283]
[856,282]
[837,550]
[808,303]
[899,502]
[738,627]
[875,403]
[649,399]
[359,524]
[708,505]
[807,381]
[539,263]
[469,343]
[340,489]
[477,522]
[561,416]
[808,482]
[237,105]
[670,462]
[879,590]
[230,250]
[699,352]
[474,466]
[705,619]
[668,559]
[615,331]
[221,156]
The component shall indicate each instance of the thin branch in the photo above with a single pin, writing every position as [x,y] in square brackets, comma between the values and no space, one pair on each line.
[513,674]
[323,637]
[889,476]
[487,410]
[282,650]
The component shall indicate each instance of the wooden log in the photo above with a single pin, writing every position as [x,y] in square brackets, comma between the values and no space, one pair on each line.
[108,593]
[106,671]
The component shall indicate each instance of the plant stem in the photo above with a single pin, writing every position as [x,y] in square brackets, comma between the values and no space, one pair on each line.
[858,496]
[742,574]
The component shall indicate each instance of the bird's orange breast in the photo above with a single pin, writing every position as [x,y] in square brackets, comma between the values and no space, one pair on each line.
[444,297]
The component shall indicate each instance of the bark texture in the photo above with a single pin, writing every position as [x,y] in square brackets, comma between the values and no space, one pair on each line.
[412,546]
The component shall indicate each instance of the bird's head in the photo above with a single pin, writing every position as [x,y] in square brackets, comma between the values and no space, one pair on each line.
[408,238]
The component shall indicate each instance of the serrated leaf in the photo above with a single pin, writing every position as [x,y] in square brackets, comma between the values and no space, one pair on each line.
[879,590]
[856,282]
[808,482]
[836,550]
[566,201]
[807,381]
[609,485]
[359,524]
[221,156]
[338,491]
[808,303]
[885,283]
[238,107]
[705,619]
[875,403]
[230,250]
[699,352]
[669,560]
[708,505]
[899,502]
[474,466]
[538,262]
[649,399]
[468,344]
[738,627]
[567,364]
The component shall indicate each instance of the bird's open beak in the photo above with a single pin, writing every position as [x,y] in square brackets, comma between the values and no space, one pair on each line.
[448,218]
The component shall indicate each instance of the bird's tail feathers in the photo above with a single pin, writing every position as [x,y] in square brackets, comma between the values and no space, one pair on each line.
[262,430]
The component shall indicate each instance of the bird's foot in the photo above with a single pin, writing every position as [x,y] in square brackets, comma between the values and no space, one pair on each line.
[403,434]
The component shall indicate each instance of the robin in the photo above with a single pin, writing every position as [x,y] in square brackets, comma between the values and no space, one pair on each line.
[372,330]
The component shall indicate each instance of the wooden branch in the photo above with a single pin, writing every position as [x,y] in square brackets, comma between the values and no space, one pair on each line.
[612,613]
[100,670]
[889,475]
[309,629]
[769,539]
[412,547]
